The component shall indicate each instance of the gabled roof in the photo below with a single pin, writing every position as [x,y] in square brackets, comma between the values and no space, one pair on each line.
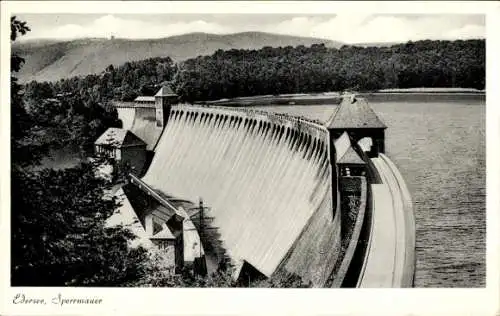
[350,157]
[342,144]
[118,137]
[248,271]
[165,233]
[165,91]
[125,215]
[345,153]
[193,247]
[354,112]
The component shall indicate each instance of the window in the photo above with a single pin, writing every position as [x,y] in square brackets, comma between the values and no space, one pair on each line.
[109,152]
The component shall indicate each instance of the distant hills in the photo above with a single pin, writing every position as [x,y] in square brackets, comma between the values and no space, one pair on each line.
[50,60]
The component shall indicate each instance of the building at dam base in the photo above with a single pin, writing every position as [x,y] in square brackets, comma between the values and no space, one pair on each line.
[272,181]
[122,145]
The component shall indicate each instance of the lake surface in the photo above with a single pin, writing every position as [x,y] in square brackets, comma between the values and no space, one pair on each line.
[439,147]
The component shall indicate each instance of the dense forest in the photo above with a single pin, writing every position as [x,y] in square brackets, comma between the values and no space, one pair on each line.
[236,73]
[58,233]
[300,69]
[77,110]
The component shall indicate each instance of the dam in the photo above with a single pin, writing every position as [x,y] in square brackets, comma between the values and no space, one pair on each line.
[274,184]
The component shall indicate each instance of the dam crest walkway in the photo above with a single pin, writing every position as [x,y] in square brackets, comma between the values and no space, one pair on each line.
[390,260]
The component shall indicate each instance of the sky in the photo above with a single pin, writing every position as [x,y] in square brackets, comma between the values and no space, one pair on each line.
[347,28]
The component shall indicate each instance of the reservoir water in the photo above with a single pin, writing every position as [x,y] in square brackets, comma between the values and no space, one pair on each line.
[439,146]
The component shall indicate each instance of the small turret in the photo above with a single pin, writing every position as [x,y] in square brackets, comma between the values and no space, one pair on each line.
[164,99]
[355,116]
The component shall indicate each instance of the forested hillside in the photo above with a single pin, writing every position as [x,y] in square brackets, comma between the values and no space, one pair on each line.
[317,68]
[50,61]
[300,69]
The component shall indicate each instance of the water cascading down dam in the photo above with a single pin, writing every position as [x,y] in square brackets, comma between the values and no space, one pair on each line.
[270,180]
[267,179]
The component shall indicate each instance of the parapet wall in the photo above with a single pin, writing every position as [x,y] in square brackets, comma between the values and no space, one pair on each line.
[267,178]
[405,222]
[390,260]
[307,131]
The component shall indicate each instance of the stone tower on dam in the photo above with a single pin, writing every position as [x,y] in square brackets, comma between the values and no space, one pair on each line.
[164,99]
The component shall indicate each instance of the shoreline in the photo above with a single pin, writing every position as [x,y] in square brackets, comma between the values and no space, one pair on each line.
[336,97]
[431,90]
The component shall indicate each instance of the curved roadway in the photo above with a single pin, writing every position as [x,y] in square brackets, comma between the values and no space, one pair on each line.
[390,260]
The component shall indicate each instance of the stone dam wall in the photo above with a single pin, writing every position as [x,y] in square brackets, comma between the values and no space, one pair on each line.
[268,180]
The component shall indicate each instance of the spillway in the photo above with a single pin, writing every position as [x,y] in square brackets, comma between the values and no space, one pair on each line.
[267,179]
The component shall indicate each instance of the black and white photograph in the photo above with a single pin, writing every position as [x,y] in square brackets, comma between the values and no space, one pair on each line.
[243,150]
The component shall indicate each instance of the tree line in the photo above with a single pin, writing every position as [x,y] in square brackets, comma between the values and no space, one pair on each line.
[77,110]
[58,232]
[280,70]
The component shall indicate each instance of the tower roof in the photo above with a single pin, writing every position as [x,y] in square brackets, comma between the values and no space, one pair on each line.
[345,153]
[166,91]
[165,233]
[119,137]
[354,113]
[350,157]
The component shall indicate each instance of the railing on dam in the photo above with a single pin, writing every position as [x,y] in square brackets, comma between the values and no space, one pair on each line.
[304,129]
[125,104]
[406,222]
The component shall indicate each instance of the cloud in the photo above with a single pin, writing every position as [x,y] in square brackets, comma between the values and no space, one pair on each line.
[466,32]
[338,28]
[363,29]
[108,25]
[353,28]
